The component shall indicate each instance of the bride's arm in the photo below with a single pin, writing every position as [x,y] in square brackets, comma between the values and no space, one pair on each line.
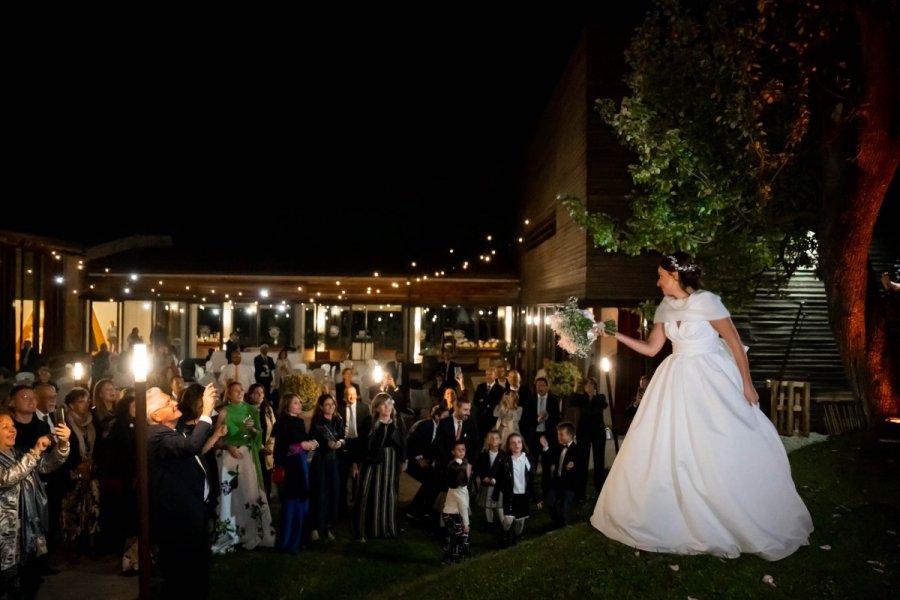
[725,328]
[651,347]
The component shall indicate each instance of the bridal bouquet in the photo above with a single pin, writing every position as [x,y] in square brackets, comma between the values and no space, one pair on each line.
[249,426]
[575,328]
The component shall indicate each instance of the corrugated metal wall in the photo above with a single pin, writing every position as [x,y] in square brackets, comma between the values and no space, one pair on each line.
[790,339]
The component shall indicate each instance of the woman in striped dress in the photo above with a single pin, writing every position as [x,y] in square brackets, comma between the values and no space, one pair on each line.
[376,507]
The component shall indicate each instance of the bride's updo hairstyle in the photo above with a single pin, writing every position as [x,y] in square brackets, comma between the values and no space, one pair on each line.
[688,271]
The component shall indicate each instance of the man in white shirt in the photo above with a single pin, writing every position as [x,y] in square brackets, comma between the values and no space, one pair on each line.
[45,396]
[357,423]
[235,371]
[540,416]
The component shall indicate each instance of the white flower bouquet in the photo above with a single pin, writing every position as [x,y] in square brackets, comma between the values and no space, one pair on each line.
[575,328]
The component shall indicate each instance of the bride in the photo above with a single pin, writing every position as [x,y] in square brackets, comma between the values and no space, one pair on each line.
[702,469]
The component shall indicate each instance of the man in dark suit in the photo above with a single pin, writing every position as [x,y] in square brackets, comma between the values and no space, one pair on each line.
[387,386]
[488,394]
[233,343]
[178,488]
[421,447]
[457,426]
[448,368]
[355,415]
[340,390]
[399,370]
[565,473]
[540,416]
[264,369]
[28,358]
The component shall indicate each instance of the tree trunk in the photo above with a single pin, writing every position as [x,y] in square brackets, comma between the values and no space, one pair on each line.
[861,335]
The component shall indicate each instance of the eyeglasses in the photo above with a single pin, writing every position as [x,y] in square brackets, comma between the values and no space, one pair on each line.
[171,403]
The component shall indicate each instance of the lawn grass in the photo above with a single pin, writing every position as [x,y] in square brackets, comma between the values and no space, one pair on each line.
[852,490]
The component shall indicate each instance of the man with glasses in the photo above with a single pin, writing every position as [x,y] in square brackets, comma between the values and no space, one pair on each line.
[178,489]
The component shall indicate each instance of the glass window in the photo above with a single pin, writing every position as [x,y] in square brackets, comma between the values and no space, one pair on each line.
[487,324]
[309,335]
[243,319]
[209,324]
[275,326]
[386,326]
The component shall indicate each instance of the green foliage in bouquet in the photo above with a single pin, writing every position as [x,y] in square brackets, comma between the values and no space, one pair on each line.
[562,377]
[574,327]
[304,386]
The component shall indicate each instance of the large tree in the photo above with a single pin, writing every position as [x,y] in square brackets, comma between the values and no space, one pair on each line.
[766,138]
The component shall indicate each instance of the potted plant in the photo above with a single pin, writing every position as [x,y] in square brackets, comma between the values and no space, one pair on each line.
[304,386]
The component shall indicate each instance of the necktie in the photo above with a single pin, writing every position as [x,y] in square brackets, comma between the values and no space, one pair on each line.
[458,429]
[48,422]
[433,432]
[399,373]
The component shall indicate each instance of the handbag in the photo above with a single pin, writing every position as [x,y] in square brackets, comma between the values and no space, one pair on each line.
[278,475]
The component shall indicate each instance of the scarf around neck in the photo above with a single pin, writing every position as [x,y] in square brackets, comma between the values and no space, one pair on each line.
[86,436]
[245,429]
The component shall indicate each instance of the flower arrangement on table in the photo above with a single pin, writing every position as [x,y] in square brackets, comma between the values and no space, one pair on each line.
[575,328]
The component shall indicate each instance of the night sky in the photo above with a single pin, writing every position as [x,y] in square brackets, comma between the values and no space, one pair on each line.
[425,127]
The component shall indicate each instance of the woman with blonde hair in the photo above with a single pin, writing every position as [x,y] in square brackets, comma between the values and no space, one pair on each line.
[244,514]
[508,414]
[488,466]
[105,397]
[448,399]
[376,508]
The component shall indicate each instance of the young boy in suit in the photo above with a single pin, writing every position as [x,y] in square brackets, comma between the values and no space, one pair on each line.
[564,473]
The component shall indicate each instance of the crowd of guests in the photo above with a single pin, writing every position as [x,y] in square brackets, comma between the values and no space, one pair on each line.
[217,461]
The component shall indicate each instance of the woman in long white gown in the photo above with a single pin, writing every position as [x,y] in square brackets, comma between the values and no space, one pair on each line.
[702,469]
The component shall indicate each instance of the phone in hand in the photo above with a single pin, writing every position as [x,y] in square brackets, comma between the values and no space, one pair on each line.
[59,416]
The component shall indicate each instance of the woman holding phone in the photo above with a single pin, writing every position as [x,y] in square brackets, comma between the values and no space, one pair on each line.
[23,505]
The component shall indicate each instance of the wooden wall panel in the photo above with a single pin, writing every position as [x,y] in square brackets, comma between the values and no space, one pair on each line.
[575,152]
[556,164]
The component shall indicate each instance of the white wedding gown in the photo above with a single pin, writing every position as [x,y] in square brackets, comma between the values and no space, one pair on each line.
[700,470]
